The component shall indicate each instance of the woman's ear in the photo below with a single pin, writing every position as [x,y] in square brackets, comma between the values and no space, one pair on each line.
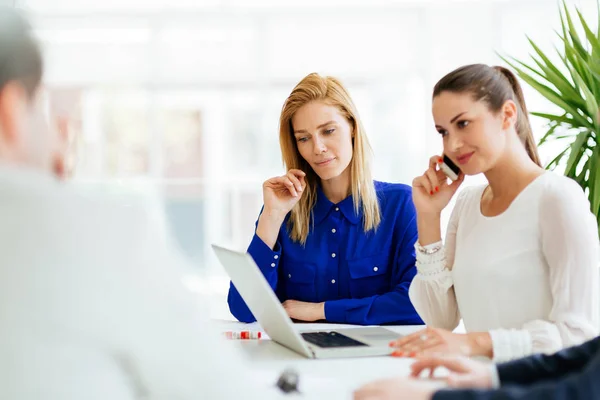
[509,114]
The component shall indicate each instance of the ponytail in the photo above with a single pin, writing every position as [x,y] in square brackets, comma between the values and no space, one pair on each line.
[523,125]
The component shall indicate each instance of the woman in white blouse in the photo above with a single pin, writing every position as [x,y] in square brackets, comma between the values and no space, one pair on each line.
[521,256]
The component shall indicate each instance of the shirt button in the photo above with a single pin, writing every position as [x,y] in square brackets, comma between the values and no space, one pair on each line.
[333,230]
[332,255]
[273,265]
[337,209]
[375,269]
[290,275]
[276,257]
[333,281]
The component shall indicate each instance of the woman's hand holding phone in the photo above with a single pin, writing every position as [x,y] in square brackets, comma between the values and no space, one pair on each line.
[431,191]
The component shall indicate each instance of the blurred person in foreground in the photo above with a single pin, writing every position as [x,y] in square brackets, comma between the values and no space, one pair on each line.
[91,300]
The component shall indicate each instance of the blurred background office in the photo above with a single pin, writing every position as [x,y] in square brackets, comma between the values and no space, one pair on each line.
[182,97]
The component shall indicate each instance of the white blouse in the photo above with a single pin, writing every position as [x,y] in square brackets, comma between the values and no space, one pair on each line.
[529,276]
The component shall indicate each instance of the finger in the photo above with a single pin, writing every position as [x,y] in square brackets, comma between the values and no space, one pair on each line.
[454,364]
[410,338]
[422,183]
[416,372]
[441,176]
[302,182]
[297,172]
[285,181]
[435,161]
[433,180]
[422,347]
[272,182]
[456,184]
[426,363]
[295,181]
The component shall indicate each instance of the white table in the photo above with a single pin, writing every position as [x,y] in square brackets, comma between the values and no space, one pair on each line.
[332,378]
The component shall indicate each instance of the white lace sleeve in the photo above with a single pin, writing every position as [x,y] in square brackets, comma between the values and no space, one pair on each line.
[571,247]
[432,290]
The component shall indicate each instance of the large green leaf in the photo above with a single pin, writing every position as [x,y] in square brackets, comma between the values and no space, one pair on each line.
[576,41]
[548,64]
[567,16]
[590,100]
[578,148]
[573,47]
[598,10]
[555,118]
[568,61]
[524,65]
[595,68]
[595,179]
[566,89]
[591,37]
[574,63]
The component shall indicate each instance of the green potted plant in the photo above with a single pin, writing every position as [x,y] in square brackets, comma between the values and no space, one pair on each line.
[572,83]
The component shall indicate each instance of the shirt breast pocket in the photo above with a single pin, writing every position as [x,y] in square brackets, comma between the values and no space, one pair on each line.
[299,278]
[369,275]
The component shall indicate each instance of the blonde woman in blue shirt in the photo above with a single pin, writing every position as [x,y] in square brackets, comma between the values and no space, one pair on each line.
[333,244]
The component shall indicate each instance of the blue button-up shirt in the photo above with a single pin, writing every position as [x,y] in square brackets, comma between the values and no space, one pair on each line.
[363,278]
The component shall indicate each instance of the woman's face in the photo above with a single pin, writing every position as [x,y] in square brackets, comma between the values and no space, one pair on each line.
[473,136]
[324,138]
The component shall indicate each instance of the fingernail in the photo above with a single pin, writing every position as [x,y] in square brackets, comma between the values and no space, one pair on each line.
[392,344]
[398,354]
[431,192]
[412,354]
[440,160]
[437,189]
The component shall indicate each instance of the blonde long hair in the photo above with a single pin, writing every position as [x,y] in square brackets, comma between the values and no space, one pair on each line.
[330,91]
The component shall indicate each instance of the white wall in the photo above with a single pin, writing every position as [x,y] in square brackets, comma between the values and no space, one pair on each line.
[234,62]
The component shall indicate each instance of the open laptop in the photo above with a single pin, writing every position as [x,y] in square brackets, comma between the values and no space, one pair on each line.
[270,314]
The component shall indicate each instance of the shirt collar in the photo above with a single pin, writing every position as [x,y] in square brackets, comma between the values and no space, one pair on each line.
[324,207]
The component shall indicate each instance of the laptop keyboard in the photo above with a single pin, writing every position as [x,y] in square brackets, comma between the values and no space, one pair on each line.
[330,339]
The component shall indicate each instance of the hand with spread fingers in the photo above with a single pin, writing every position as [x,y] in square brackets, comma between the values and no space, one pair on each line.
[434,341]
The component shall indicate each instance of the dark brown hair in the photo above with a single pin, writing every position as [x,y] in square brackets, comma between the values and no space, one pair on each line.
[20,55]
[494,86]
